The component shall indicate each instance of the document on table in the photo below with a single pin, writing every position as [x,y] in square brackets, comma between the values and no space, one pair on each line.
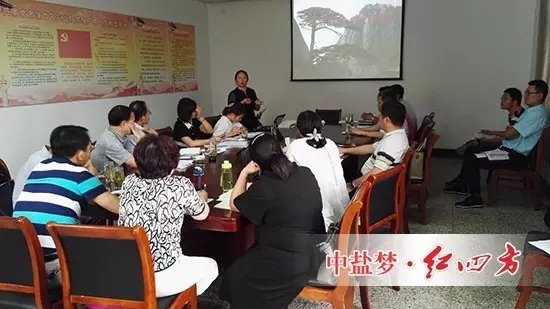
[494,155]
[184,164]
[254,134]
[234,144]
[190,151]
[543,245]
[223,200]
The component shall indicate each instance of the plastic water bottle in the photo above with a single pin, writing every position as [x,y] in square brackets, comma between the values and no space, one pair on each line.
[198,174]
[226,181]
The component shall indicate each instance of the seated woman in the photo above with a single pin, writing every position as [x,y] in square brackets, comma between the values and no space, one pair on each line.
[191,128]
[158,200]
[229,124]
[246,96]
[285,205]
[322,157]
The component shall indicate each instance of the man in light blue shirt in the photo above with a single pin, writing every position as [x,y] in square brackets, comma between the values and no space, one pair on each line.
[519,141]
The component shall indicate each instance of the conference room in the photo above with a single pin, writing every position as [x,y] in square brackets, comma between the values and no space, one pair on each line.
[275,153]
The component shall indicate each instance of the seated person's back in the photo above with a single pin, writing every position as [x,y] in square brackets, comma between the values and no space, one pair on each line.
[322,157]
[158,200]
[27,168]
[113,145]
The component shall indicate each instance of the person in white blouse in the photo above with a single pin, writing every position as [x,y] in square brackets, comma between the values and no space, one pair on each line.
[142,117]
[322,157]
[229,124]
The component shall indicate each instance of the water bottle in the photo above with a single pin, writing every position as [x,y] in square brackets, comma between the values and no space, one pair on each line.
[226,180]
[198,174]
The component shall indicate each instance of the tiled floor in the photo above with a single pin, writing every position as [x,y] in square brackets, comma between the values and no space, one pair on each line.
[513,214]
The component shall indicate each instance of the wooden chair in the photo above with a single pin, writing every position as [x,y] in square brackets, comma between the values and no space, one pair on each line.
[418,188]
[341,295]
[384,217]
[529,177]
[330,116]
[532,258]
[405,180]
[22,273]
[427,125]
[6,190]
[166,131]
[110,266]
[213,120]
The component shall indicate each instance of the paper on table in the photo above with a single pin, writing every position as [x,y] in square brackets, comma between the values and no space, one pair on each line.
[190,151]
[184,164]
[543,245]
[233,144]
[224,199]
[254,134]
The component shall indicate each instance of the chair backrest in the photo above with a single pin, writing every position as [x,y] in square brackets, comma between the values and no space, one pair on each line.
[21,261]
[541,145]
[381,202]
[348,239]
[427,125]
[6,190]
[166,131]
[330,116]
[213,120]
[432,138]
[105,265]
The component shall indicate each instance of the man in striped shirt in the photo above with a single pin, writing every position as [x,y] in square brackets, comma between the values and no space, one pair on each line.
[55,188]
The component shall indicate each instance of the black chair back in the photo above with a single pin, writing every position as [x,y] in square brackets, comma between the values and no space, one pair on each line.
[427,125]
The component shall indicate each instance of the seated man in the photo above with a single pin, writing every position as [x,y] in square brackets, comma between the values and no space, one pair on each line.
[411,119]
[390,150]
[113,145]
[56,187]
[378,132]
[519,140]
[141,115]
[229,124]
[488,139]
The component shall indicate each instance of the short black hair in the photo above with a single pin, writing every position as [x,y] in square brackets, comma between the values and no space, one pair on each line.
[139,108]
[156,156]
[541,87]
[118,114]
[394,110]
[186,107]
[388,93]
[66,141]
[237,109]
[241,71]
[514,93]
[383,88]
[398,89]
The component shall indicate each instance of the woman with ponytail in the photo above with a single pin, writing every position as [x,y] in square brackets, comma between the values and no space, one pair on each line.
[322,157]
[285,206]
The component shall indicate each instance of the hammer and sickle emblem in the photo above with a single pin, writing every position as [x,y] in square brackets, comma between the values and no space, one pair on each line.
[64,37]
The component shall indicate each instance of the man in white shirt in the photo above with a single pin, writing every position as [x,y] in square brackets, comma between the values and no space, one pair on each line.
[229,124]
[391,149]
[27,168]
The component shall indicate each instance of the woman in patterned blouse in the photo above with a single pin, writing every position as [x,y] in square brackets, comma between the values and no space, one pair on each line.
[157,200]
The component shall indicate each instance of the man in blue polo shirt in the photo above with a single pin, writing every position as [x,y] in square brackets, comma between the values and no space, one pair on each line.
[519,141]
[55,188]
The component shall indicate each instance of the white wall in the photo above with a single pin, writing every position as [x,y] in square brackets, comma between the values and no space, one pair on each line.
[458,56]
[25,129]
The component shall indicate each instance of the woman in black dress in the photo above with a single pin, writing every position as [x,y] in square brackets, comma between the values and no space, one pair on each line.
[191,127]
[246,96]
[285,206]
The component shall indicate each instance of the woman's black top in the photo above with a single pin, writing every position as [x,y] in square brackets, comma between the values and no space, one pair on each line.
[191,130]
[236,96]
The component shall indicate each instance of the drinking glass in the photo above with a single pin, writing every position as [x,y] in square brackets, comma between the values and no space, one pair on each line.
[109,174]
[118,177]
[244,133]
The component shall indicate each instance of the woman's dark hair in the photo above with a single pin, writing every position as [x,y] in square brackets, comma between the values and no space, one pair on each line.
[156,156]
[139,108]
[266,151]
[239,72]
[308,122]
[186,108]
[66,141]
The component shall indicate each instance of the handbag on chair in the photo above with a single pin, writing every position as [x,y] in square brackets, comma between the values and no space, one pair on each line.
[417,162]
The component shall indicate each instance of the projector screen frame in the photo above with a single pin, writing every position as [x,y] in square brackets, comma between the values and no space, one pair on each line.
[401,43]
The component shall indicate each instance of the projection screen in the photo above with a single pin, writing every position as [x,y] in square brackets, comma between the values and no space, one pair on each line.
[347,39]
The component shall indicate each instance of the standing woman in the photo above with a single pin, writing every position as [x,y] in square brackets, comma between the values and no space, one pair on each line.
[246,96]
[285,206]
[191,127]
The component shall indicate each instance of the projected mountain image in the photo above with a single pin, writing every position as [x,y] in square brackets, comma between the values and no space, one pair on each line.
[346,39]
